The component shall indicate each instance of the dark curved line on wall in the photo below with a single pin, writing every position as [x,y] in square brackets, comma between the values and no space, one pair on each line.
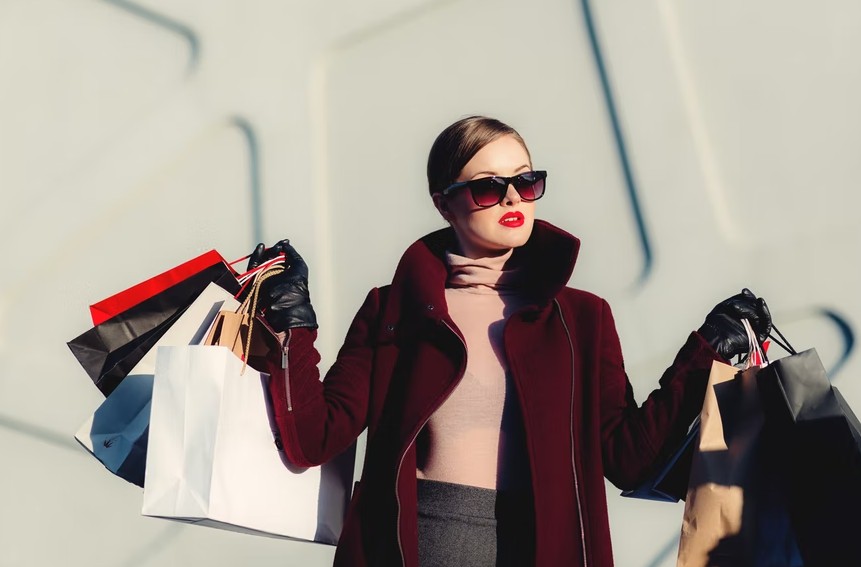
[167,23]
[848,339]
[620,143]
[254,181]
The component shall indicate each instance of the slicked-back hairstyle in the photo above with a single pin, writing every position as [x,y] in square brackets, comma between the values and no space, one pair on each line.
[458,143]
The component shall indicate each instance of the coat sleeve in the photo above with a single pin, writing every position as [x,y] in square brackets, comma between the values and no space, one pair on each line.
[318,420]
[634,438]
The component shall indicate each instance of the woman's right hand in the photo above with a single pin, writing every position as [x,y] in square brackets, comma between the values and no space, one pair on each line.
[284,298]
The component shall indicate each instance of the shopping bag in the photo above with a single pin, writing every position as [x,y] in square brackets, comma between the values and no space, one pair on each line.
[111,349]
[116,434]
[212,458]
[234,328]
[734,512]
[120,302]
[817,440]
[670,481]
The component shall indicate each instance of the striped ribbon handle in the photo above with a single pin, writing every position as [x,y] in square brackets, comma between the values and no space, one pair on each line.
[250,274]
[755,355]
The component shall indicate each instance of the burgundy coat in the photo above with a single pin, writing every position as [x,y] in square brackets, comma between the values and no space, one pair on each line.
[403,355]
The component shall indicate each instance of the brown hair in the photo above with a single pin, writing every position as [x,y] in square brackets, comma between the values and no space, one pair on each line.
[458,143]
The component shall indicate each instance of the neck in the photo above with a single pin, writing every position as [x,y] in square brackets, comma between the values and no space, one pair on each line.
[475,253]
[486,273]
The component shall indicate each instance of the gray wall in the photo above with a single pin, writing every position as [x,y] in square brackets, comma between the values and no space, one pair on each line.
[695,147]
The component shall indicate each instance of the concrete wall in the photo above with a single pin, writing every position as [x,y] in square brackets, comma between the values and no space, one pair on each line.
[695,147]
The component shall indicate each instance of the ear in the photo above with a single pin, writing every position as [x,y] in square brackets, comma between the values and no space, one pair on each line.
[441,204]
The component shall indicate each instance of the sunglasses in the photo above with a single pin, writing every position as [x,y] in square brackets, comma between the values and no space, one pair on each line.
[490,191]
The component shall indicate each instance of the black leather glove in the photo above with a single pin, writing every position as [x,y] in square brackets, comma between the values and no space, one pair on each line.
[723,329]
[284,298]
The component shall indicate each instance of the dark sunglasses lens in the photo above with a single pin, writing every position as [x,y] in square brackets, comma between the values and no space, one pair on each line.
[487,192]
[530,186]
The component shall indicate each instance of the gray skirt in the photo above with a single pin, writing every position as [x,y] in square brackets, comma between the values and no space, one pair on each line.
[467,526]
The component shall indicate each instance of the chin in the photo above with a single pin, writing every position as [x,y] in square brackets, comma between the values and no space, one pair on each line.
[519,236]
[489,240]
[513,237]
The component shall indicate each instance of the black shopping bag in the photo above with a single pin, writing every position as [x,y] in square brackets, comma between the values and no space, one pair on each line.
[816,442]
[669,482]
[111,349]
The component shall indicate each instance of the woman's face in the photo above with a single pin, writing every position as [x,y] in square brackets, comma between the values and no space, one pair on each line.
[491,231]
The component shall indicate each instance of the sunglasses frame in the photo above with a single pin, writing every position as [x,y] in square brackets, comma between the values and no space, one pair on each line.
[540,175]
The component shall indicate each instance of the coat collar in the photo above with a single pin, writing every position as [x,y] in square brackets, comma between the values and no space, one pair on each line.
[419,281]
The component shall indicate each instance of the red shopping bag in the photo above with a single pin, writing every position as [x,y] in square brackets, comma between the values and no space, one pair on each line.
[122,301]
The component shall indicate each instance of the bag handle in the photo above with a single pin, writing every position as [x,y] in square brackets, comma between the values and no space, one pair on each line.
[787,347]
[277,260]
[244,277]
[755,356]
[784,345]
[248,275]
[249,305]
[247,278]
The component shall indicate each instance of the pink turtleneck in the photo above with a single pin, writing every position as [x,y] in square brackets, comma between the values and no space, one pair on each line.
[476,436]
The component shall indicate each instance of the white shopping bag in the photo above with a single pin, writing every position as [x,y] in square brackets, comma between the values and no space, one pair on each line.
[116,434]
[212,458]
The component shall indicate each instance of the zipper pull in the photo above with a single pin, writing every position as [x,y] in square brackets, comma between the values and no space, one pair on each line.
[284,339]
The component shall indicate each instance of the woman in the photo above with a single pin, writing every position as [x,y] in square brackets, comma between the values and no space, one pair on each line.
[495,397]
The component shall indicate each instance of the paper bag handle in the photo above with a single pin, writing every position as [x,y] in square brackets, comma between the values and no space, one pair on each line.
[253,297]
[755,356]
[245,312]
[249,306]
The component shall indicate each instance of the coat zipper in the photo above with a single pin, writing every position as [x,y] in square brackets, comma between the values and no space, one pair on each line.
[285,349]
[416,433]
[571,424]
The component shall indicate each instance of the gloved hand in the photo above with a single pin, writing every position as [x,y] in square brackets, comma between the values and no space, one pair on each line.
[284,298]
[723,329]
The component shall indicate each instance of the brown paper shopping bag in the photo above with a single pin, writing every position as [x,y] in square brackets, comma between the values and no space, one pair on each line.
[242,331]
[735,514]
[714,506]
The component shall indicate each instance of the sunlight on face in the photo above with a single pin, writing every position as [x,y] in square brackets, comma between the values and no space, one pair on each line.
[491,231]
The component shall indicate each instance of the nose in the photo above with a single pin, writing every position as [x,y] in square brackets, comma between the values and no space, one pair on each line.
[512,197]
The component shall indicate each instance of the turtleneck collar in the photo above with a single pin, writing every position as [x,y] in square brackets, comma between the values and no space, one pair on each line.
[492,275]
[419,282]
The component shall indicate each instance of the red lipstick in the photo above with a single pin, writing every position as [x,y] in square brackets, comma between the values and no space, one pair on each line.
[512,219]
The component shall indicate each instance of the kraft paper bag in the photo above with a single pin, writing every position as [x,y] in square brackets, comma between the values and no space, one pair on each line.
[735,511]
[714,506]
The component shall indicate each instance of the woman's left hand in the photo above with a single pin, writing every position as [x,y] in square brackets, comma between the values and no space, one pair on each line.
[723,329]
